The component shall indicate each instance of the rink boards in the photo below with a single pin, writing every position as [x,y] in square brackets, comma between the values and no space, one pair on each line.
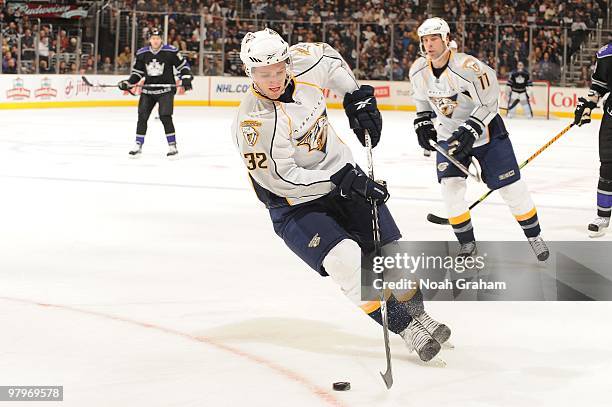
[40,91]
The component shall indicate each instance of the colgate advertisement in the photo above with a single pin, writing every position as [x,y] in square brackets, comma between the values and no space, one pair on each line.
[48,10]
[563,97]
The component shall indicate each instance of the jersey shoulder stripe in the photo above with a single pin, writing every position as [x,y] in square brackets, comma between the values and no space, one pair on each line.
[143,50]
[170,48]
[417,66]
[605,51]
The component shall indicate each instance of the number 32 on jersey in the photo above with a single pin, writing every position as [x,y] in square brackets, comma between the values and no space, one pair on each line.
[255,160]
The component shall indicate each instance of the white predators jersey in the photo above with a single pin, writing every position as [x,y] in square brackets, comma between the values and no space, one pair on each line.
[467,89]
[289,149]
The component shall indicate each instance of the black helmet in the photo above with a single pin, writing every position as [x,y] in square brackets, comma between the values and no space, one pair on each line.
[156,31]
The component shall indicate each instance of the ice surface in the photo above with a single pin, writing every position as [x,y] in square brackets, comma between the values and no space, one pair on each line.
[152,282]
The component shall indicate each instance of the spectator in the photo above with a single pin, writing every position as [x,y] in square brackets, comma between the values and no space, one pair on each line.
[107,66]
[63,68]
[11,67]
[43,67]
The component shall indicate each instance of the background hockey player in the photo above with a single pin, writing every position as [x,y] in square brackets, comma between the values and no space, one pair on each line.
[518,81]
[600,86]
[318,200]
[156,63]
[462,93]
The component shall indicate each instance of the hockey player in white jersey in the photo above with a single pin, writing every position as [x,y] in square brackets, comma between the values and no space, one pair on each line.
[462,94]
[318,199]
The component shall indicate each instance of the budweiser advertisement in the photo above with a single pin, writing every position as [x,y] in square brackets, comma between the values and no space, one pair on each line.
[47,10]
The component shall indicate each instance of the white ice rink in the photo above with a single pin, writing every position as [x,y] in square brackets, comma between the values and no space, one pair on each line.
[161,283]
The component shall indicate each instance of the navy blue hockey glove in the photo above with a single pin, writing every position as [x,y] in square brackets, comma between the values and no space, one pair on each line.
[425,130]
[124,85]
[363,114]
[582,114]
[186,82]
[462,140]
[349,180]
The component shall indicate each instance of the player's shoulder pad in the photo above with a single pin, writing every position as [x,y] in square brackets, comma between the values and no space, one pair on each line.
[466,66]
[418,65]
[255,106]
[143,50]
[255,118]
[170,48]
[605,51]
[305,55]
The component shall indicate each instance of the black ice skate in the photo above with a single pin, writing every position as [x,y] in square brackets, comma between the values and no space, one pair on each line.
[468,249]
[539,248]
[598,227]
[417,338]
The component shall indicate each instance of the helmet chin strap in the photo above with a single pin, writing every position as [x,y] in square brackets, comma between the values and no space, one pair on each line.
[446,50]
[424,53]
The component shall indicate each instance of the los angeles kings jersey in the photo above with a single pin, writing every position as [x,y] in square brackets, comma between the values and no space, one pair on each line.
[157,67]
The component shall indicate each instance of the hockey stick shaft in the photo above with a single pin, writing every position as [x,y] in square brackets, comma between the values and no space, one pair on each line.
[454,161]
[388,375]
[514,103]
[147,86]
[444,221]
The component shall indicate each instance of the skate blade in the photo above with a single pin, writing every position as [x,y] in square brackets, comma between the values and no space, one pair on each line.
[448,345]
[172,157]
[135,156]
[436,362]
[594,235]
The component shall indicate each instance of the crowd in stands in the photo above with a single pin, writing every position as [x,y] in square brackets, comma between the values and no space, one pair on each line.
[58,50]
[377,38]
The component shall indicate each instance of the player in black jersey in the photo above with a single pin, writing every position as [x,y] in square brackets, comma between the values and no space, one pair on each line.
[601,83]
[156,63]
[517,85]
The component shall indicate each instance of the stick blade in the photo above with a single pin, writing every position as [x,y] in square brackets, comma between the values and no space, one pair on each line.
[437,219]
[387,378]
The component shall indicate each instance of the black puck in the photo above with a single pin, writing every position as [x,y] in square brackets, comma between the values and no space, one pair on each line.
[342,386]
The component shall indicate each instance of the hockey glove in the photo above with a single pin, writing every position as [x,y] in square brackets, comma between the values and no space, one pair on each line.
[582,114]
[363,114]
[425,130]
[124,85]
[186,82]
[349,179]
[462,139]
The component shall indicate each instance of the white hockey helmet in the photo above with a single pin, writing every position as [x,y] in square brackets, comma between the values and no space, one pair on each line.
[262,48]
[431,26]
[452,44]
[434,25]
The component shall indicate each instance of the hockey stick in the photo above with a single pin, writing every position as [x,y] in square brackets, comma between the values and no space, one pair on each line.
[388,375]
[444,221]
[456,163]
[516,102]
[149,86]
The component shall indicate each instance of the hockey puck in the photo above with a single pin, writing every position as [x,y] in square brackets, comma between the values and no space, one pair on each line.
[342,386]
